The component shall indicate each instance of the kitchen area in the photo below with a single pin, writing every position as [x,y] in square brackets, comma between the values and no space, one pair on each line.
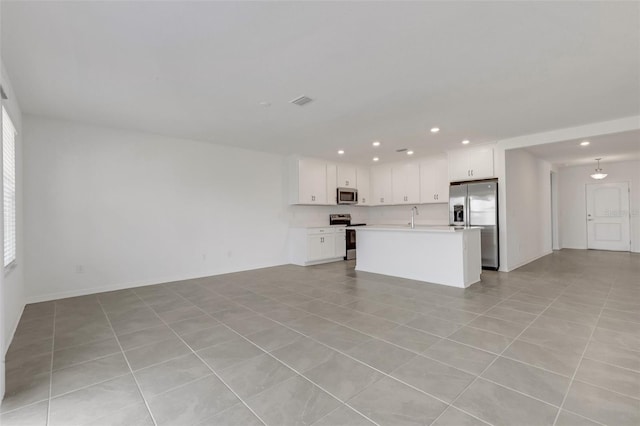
[432,219]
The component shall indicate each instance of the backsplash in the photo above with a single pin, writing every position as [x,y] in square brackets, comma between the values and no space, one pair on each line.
[309,216]
[429,214]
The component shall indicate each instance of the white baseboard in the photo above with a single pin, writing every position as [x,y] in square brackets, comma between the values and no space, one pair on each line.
[133,284]
[586,248]
[9,339]
[318,262]
[520,264]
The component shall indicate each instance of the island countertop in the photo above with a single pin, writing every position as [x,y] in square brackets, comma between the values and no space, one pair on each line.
[418,228]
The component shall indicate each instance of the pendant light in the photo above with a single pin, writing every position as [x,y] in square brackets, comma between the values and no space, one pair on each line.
[598,174]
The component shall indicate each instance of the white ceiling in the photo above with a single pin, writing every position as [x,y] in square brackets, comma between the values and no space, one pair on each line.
[384,71]
[624,146]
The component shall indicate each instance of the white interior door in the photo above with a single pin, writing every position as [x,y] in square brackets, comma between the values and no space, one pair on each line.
[608,216]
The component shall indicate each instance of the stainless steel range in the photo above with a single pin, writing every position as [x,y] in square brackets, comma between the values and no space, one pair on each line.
[350,234]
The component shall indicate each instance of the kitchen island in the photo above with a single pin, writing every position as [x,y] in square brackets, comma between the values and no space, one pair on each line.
[437,254]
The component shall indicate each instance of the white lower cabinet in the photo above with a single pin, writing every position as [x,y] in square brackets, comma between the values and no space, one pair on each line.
[309,246]
[340,242]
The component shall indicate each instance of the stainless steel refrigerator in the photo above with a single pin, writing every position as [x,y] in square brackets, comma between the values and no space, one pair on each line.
[476,204]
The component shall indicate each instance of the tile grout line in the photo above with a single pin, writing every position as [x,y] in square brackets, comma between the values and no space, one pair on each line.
[127,361]
[613,365]
[339,407]
[340,323]
[198,356]
[91,384]
[85,362]
[300,374]
[398,324]
[53,340]
[575,372]
[355,359]
[119,375]
[498,357]
[420,330]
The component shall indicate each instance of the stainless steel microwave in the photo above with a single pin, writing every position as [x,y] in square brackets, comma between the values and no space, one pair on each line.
[347,196]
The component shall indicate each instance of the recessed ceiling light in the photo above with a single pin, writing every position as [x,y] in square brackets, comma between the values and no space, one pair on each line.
[435,129]
[584,143]
[409,152]
[341,152]
[375,159]
[376,143]
[465,142]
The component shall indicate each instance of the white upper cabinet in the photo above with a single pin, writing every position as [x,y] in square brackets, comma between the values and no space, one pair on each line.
[458,165]
[481,163]
[405,183]
[311,181]
[381,187]
[332,185]
[347,177]
[364,186]
[434,182]
[470,164]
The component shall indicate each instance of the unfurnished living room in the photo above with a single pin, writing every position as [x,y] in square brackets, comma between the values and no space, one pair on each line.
[323,213]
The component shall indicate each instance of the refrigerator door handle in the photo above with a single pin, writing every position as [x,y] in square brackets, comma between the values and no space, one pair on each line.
[467,205]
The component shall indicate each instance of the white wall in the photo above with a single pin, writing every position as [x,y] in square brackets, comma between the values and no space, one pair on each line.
[572,203]
[11,281]
[109,208]
[555,233]
[528,208]
[558,135]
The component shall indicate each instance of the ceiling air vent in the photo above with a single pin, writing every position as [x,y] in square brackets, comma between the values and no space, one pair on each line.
[401,150]
[301,101]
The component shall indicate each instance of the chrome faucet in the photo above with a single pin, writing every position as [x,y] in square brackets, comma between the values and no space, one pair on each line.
[413,209]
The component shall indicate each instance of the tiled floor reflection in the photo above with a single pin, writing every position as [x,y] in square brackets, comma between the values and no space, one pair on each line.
[555,342]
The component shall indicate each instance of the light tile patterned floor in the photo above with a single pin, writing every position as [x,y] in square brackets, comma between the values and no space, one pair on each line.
[555,342]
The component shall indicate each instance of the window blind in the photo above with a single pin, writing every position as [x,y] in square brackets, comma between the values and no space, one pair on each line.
[9,187]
